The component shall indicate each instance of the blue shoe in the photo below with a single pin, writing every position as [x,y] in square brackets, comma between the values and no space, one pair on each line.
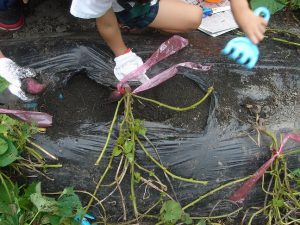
[84,220]
[12,18]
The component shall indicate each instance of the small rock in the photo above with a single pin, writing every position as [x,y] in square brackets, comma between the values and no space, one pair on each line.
[266,109]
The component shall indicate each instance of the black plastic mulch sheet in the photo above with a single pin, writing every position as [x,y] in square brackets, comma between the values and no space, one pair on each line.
[221,152]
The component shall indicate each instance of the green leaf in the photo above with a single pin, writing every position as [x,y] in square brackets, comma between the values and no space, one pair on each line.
[3,129]
[272,5]
[8,195]
[11,220]
[277,202]
[3,84]
[142,131]
[7,120]
[120,140]
[24,200]
[130,157]
[139,127]
[8,209]
[117,151]
[201,222]
[295,4]
[3,146]
[38,188]
[151,173]
[54,220]
[68,203]
[137,177]
[128,146]
[170,212]
[10,155]
[186,219]
[296,173]
[44,204]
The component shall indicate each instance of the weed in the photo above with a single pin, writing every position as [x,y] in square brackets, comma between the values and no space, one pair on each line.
[28,206]
[3,84]
[131,135]
[15,140]
[276,5]
[282,192]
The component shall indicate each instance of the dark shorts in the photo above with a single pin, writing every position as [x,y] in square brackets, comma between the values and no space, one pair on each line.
[5,4]
[127,19]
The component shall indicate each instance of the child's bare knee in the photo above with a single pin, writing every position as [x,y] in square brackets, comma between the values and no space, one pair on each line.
[195,19]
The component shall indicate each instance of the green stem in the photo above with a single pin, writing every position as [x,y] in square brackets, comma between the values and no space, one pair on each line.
[286,42]
[190,180]
[5,187]
[99,183]
[133,196]
[34,153]
[34,218]
[274,30]
[97,200]
[141,216]
[256,213]
[109,132]
[41,149]
[217,217]
[292,152]
[178,109]
[272,136]
[163,187]
[214,191]
[159,159]
[280,39]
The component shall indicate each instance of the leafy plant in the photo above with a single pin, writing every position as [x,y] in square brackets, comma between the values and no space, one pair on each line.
[131,135]
[282,192]
[27,205]
[275,5]
[15,139]
[130,132]
[171,213]
[3,84]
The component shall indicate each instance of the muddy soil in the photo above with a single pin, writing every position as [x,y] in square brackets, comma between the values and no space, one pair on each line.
[82,99]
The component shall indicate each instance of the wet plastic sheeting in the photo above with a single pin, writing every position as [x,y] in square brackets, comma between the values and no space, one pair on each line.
[221,152]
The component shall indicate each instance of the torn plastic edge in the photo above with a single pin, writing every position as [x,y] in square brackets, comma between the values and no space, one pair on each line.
[166,49]
[167,74]
[240,195]
[39,118]
[169,47]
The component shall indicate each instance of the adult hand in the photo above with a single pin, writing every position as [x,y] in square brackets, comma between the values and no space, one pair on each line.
[15,74]
[254,26]
[126,63]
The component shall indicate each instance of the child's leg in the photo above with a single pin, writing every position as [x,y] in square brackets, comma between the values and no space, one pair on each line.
[177,16]
[1,55]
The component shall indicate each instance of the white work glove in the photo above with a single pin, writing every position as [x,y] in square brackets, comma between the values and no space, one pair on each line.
[13,73]
[126,63]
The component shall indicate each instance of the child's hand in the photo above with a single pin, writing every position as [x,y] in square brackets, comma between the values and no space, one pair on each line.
[15,75]
[253,26]
[126,63]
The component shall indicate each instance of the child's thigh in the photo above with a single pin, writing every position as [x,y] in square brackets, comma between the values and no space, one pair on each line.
[177,16]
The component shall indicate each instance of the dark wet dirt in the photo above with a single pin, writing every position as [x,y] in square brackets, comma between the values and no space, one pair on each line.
[190,144]
[82,100]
